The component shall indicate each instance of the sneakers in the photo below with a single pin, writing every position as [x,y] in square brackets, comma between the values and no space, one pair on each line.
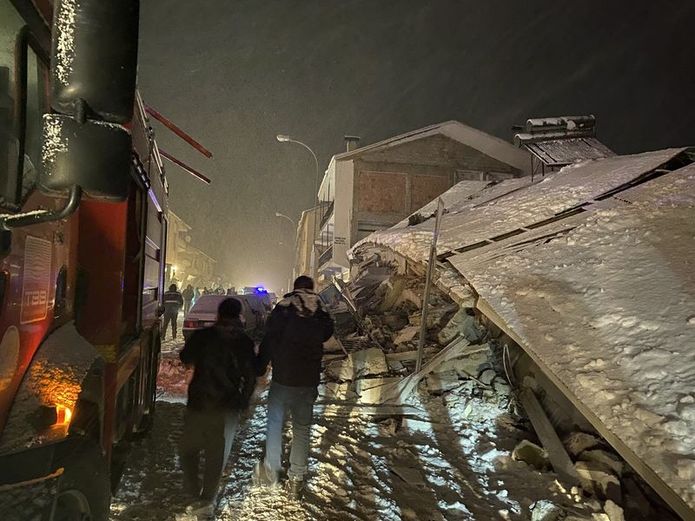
[262,477]
[295,488]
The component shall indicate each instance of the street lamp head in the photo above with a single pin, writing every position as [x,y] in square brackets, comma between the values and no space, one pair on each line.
[283,138]
[278,214]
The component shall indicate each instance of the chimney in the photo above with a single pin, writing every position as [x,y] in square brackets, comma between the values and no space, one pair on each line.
[351,142]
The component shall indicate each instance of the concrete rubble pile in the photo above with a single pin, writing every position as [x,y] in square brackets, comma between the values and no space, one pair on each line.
[469,381]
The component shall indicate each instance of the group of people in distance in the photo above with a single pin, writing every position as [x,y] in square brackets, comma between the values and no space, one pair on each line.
[225,367]
[174,300]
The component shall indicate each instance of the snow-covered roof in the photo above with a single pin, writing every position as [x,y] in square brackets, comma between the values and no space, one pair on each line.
[510,206]
[592,270]
[608,308]
[489,145]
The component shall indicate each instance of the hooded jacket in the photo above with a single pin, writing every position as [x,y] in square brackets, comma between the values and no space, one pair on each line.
[293,343]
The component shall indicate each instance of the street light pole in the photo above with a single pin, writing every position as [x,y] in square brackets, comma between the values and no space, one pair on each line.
[278,214]
[283,138]
[294,252]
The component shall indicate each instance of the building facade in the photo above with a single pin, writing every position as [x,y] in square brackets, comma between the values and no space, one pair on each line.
[186,264]
[376,186]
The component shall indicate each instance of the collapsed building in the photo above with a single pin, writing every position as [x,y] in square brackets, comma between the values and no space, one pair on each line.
[580,283]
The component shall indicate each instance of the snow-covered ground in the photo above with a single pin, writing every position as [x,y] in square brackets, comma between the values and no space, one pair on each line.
[451,462]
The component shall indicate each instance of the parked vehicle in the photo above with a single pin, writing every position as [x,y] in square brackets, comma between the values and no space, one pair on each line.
[83,211]
[204,313]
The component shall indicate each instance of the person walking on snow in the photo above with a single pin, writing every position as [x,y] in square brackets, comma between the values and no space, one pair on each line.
[187,299]
[172,304]
[293,344]
[223,381]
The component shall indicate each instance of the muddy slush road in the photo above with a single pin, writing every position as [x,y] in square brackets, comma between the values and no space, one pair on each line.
[453,463]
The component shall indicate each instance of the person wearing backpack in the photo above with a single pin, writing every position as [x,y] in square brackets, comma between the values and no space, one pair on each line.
[224,378]
[295,333]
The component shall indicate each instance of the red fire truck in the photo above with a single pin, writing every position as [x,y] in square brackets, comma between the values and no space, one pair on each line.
[83,217]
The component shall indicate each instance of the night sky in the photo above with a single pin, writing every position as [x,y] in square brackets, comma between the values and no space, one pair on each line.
[236,73]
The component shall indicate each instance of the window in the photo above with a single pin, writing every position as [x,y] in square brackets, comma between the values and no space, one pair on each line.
[36,107]
[23,101]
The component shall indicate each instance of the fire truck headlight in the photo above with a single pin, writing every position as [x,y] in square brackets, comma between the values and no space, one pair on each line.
[63,415]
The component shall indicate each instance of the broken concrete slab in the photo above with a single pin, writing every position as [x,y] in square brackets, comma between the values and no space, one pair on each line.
[578,442]
[410,356]
[440,382]
[409,298]
[438,316]
[596,478]
[336,391]
[613,511]
[501,387]
[333,345]
[546,511]
[469,365]
[370,389]
[401,390]
[531,454]
[407,334]
[392,289]
[487,376]
[366,362]
[462,323]
[395,365]
[415,320]
[602,457]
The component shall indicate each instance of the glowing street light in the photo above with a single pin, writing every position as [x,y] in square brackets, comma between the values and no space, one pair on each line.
[284,138]
[278,214]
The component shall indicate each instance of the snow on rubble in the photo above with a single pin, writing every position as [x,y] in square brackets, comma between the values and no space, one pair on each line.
[596,278]
[622,286]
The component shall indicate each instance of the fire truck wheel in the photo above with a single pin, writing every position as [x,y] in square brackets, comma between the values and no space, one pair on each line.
[84,493]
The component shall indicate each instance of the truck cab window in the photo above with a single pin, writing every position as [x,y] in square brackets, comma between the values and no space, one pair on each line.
[10,26]
[23,101]
[36,107]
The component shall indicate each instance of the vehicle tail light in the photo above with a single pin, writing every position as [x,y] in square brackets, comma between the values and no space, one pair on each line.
[190,323]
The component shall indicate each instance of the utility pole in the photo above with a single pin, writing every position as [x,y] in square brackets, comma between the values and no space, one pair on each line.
[428,284]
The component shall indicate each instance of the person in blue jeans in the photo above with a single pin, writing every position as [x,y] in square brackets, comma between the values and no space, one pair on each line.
[293,344]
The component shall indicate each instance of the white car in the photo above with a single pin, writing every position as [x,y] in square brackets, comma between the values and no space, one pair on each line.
[204,313]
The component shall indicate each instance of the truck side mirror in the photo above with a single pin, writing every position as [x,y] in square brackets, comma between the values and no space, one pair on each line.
[94,57]
[94,155]
[93,70]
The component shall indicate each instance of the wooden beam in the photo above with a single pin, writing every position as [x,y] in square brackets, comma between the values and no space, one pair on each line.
[557,454]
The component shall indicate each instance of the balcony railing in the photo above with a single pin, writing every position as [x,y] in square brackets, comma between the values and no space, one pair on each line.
[327,212]
[326,256]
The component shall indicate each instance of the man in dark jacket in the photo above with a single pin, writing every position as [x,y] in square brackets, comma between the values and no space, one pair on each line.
[187,295]
[172,304]
[223,381]
[295,333]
